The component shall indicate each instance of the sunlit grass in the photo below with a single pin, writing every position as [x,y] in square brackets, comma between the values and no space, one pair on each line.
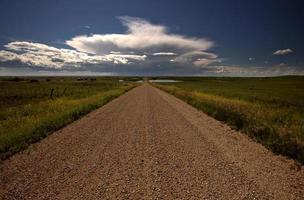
[277,121]
[33,115]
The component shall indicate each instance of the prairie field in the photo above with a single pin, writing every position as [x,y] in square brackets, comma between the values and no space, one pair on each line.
[269,110]
[33,107]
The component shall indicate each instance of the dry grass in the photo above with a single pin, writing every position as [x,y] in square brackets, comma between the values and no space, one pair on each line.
[31,113]
[279,127]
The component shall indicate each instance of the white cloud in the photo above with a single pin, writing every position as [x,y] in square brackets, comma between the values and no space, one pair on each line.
[194,55]
[115,52]
[251,59]
[143,46]
[164,54]
[140,35]
[282,52]
[6,56]
[204,61]
[197,58]
[41,55]
[253,71]
[143,49]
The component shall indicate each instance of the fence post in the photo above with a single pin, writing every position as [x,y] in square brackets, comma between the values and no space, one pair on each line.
[51,95]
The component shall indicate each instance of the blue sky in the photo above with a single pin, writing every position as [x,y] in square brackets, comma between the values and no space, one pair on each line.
[159,37]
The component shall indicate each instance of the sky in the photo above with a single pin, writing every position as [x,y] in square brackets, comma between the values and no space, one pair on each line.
[152,38]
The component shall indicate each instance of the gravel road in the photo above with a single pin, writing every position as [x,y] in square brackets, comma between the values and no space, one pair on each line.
[147,144]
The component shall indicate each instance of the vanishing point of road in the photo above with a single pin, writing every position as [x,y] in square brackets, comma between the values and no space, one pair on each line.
[147,144]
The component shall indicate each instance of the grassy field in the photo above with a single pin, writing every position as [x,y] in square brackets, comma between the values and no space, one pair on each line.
[270,110]
[32,108]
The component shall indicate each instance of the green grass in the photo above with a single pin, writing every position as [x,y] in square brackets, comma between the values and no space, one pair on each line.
[32,108]
[270,110]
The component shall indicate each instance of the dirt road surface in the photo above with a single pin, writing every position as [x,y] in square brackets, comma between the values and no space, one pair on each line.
[147,144]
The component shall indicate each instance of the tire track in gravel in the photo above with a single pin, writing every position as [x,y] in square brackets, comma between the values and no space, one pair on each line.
[147,144]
